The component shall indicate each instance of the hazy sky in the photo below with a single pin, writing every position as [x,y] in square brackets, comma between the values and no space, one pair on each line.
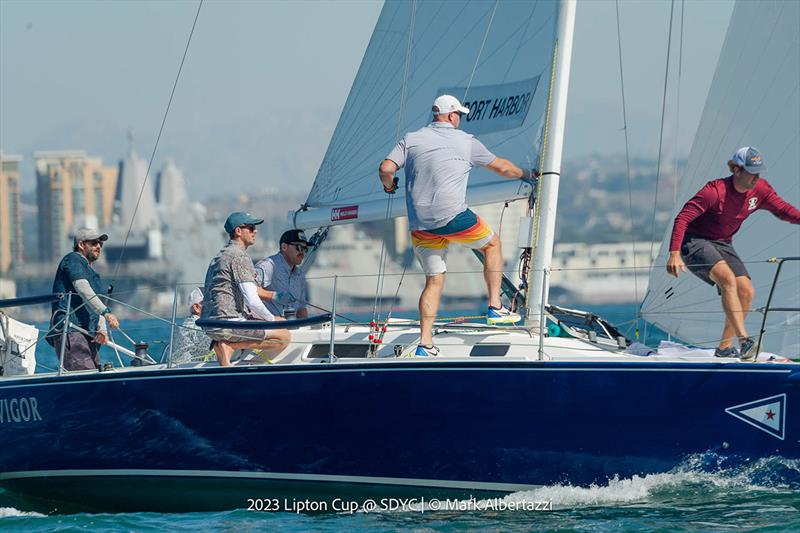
[265,81]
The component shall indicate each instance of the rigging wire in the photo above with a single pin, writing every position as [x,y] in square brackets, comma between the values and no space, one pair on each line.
[678,110]
[480,50]
[628,170]
[387,220]
[661,133]
[155,146]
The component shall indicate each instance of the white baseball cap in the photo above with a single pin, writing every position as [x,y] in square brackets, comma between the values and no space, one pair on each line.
[750,159]
[448,104]
[196,296]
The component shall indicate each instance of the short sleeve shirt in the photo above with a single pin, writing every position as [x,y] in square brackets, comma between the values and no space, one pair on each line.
[275,274]
[437,160]
[222,298]
[73,267]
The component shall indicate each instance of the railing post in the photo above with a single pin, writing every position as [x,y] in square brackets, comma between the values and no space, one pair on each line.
[64,334]
[542,319]
[763,329]
[172,325]
[331,356]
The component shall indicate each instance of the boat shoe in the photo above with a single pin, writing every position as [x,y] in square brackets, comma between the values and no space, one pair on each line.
[747,348]
[730,351]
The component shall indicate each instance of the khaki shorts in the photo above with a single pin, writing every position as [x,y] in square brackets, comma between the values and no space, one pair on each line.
[237,335]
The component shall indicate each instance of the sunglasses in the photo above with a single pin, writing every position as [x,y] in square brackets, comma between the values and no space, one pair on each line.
[301,248]
[249,227]
[95,242]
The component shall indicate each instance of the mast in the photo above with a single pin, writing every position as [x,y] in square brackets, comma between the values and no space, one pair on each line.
[538,287]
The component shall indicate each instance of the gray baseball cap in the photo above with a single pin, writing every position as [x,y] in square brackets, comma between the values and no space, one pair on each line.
[750,159]
[89,234]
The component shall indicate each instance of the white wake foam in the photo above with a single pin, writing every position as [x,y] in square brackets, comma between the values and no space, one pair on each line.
[6,512]
[691,474]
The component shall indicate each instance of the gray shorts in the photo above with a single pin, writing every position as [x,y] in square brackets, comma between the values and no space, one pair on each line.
[700,256]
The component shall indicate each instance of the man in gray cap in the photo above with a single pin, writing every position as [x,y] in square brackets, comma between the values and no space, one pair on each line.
[282,282]
[703,232]
[76,275]
[437,161]
[230,293]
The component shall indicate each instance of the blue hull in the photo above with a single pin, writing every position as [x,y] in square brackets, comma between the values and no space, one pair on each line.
[433,428]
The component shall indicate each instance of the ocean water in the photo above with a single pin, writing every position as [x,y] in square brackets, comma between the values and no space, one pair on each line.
[702,494]
[699,495]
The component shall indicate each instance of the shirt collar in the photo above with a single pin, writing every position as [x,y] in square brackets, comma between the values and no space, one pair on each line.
[286,264]
[76,252]
[441,125]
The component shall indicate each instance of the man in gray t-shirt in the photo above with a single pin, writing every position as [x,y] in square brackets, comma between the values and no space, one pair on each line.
[437,161]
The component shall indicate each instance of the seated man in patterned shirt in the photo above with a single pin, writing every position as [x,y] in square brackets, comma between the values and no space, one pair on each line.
[230,293]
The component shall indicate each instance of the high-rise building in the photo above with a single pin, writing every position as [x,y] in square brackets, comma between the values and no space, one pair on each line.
[73,189]
[10,215]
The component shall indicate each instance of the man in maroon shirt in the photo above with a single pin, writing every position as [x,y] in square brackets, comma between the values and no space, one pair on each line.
[702,233]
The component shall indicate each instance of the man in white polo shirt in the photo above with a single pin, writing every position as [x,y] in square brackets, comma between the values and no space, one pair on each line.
[437,161]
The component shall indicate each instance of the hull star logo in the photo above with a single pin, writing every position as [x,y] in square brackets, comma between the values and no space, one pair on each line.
[766,414]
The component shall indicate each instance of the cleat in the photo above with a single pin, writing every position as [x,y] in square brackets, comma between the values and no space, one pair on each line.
[426,351]
[501,316]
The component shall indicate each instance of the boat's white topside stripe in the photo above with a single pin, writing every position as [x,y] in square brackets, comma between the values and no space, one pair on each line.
[325,478]
[415,368]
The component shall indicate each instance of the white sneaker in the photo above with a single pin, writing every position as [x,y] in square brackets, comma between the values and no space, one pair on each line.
[501,316]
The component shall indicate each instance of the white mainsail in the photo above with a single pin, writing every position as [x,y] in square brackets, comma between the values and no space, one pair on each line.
[496,56]
[754,100]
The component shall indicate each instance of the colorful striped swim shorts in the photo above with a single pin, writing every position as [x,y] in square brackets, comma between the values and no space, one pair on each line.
[430,246]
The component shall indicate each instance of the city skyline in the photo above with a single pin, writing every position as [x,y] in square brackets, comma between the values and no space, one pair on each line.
[245,111]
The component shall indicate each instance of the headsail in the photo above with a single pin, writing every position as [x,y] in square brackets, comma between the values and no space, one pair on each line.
[754,100]
[494,56]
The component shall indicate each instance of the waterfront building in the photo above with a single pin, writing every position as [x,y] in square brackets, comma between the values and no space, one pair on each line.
[10,214]
[72,189]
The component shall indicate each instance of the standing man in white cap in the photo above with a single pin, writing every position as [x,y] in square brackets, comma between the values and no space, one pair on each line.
[192,342]
[702,236]
[437,161]
[231,293]
[75,275]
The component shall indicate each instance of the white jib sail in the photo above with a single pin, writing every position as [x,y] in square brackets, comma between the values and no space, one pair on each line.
[754,100]
[496,56]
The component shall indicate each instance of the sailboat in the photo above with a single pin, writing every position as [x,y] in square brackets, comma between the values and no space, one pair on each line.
[501,409]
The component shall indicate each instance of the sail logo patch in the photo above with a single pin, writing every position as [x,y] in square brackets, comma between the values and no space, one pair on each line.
[766,414]
[344,213]
[495,107]
[751,203]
